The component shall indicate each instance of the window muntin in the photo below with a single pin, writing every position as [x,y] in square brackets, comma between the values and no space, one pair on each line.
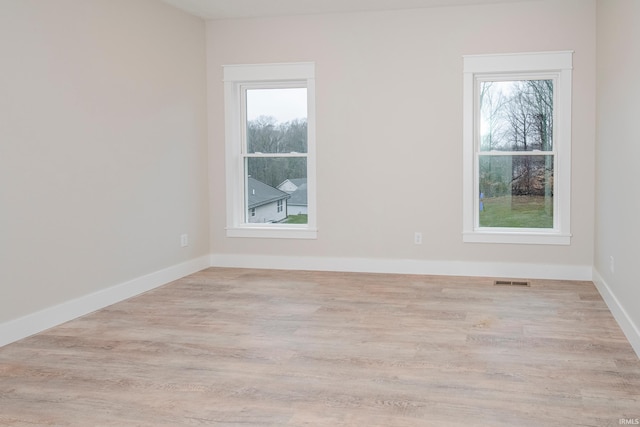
[270,141]
[517,172]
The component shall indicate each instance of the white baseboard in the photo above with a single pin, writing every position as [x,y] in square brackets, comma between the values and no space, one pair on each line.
[406,266]
[630,329]
[28,325]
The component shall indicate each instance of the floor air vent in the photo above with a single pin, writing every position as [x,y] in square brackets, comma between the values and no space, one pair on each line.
[511,283]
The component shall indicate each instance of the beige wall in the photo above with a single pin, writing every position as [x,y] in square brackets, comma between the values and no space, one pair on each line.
[102,146]
[389,115]
[103,154]
[618,150]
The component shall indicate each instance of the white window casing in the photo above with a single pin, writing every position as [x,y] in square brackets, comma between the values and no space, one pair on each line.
[237,78]
[519,66]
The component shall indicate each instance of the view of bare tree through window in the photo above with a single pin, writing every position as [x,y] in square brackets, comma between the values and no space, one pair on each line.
[516,155]
[276,155]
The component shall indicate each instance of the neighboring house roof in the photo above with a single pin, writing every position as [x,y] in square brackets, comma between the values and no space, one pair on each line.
[297,182]
[299,196]
[262,194]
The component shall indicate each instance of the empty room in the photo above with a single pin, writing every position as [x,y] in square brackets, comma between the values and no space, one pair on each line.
[319,213]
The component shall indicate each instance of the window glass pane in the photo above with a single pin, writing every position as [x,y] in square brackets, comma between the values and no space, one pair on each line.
[516,191]
[276,187]
[516,115]
[277,120]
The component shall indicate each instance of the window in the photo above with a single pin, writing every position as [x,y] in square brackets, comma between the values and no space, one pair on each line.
[517,148]
[270,142]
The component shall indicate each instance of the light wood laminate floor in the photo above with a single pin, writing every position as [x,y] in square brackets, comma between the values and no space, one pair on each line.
[237,347]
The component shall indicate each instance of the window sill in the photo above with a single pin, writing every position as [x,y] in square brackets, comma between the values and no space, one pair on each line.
[272,232]
[517,237]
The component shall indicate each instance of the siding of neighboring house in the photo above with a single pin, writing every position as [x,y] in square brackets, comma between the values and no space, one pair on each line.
[266,203]
[298,201]
[297,188]
[268,213]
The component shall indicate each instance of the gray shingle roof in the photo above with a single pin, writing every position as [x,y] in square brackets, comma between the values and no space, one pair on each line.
[295,181]
[299,196]
[260,193]
[298,181]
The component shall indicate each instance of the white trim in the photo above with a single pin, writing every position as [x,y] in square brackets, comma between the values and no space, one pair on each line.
[269,72]
[629,328]
[518,62]
[235,78]
[273,232]
[517,237]
[475,67]
[42,320]
[406,266]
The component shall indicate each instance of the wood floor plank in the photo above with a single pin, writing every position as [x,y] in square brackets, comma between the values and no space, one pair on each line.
[239,347]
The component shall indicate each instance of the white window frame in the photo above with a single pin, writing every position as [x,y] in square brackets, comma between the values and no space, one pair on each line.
[236,79]
[477,68]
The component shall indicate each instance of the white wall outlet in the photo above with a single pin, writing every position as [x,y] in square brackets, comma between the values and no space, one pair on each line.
[184,240]
[612,264]
[417,238]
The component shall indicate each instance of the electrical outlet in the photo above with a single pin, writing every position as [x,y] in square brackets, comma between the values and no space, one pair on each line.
[417,238]
[611,264]
[184,240]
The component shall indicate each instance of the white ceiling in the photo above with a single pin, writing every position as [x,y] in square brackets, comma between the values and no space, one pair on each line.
[229,9]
